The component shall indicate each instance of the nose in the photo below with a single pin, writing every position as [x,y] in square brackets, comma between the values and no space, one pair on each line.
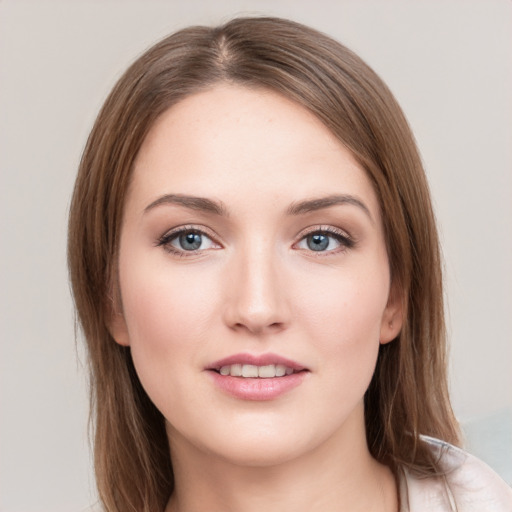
[256,295]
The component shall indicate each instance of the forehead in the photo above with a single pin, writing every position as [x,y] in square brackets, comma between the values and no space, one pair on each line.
[235,143]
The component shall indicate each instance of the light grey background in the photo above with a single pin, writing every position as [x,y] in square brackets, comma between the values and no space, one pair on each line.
[449,64]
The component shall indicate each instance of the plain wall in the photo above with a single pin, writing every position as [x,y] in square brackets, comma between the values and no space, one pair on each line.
[449,64]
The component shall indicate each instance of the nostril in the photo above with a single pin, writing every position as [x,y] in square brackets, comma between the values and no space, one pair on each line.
[258,327]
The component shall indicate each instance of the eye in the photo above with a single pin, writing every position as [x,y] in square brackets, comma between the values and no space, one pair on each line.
[185,240]
[325,240]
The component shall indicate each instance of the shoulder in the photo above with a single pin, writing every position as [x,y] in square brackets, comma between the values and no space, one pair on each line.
[467,484]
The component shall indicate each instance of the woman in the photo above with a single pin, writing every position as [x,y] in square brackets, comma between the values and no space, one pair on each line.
[256,270]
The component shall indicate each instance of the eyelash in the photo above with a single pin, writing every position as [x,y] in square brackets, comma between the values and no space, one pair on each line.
[343,238]
[346,241]
[165,240]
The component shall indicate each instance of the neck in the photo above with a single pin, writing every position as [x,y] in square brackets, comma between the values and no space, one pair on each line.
[337,475]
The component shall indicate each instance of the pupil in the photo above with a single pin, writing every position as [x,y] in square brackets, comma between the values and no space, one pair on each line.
[318,242]
[190,241]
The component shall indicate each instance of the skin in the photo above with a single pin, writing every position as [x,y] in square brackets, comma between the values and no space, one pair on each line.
[255,286]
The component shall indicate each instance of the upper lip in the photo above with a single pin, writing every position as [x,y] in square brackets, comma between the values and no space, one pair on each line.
[256,360]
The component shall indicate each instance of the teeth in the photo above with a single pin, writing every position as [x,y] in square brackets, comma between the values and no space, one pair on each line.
[280,370]
[249,370]
[252,371]
[236,370]
[267,371]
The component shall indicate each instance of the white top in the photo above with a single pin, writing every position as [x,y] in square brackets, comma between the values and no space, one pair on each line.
[469,485]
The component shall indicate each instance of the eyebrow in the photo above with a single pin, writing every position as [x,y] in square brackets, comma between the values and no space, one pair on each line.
[313,205]
[194,203]
[298,208]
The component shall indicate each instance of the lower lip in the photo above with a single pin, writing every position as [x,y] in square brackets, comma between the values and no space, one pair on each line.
[257,388]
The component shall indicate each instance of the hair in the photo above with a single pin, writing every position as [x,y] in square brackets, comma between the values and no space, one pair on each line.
[408,395]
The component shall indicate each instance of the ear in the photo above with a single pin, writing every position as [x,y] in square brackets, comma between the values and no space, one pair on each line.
[392,319]
[118,330]
[117,324]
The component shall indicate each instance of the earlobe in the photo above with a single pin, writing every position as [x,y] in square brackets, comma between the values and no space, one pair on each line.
[392,319]
[117,324]
[118,329]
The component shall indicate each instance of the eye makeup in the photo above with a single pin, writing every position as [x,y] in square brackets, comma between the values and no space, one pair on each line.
[191,240]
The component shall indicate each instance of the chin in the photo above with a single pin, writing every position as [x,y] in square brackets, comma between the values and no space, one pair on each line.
[242,444]
[264,445]
[261,453]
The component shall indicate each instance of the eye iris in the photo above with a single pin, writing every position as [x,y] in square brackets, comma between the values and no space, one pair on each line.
[318,242]
[190,241]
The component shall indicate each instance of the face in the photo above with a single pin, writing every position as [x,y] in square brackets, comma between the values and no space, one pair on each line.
[254,278]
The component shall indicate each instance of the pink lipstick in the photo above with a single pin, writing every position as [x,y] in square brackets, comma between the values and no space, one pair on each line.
[256,377]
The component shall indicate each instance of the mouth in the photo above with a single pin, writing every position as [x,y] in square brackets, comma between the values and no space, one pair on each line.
[263,377]
[263,366]
[252,371]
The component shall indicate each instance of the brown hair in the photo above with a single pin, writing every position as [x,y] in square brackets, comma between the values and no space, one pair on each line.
[408,394]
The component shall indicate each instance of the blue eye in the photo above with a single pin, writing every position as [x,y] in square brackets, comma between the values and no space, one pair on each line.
[318,242]
[189,241]
[325,241]
[186,240]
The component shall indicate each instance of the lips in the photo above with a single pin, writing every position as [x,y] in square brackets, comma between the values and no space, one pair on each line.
[262,377]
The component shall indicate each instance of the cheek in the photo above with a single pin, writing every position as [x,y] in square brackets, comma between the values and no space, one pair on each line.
[348,306]
[167,313]
[342,313]
[169,320]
